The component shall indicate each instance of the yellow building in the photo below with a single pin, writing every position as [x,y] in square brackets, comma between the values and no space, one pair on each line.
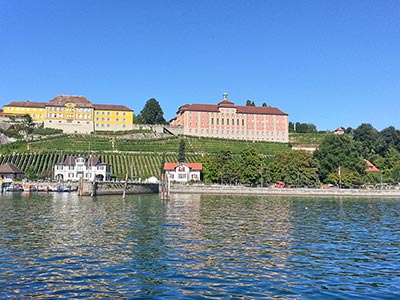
[112,117]
[74,114]
[37,110]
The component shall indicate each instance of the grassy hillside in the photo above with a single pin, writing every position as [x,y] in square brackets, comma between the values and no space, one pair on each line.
[139,157]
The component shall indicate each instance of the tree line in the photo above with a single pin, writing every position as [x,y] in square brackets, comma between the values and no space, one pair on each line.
[340,159]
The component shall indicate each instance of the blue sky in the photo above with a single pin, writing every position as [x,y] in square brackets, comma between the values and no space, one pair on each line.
[331,63]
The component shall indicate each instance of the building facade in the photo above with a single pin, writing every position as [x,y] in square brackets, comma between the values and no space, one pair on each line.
[183,172]
[230,121]
[76,167]
[74,114]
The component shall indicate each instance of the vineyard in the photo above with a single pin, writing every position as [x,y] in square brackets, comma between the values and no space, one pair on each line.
[136,165]
[137,158]
[88,143]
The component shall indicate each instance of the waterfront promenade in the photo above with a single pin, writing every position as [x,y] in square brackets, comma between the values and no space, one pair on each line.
[233,189]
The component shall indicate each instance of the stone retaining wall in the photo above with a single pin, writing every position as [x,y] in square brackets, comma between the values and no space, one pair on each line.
[227,189]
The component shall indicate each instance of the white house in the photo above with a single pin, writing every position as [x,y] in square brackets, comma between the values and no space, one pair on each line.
[76,167]
[183,172]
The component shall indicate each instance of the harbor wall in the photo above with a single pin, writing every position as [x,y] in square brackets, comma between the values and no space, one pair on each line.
[116,188]
[244,190]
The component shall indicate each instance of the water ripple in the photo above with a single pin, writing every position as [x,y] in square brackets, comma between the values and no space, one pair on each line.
[198,247]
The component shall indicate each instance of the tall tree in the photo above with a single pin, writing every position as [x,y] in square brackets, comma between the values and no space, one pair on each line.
[182,151]
[296,168]
[368,136]
[250,103]
[291,127]
[249,164]
[339,151]
[390,138]
[152,113]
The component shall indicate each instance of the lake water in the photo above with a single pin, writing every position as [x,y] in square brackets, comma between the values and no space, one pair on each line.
[61,246]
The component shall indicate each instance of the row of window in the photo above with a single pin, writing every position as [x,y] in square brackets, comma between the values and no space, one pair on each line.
[108,113]
[108,125]
[108,119]
[24,109]
[69,116]
[61,167]
[50,108]
[236,132]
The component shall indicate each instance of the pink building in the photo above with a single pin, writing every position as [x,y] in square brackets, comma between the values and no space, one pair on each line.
[230,121]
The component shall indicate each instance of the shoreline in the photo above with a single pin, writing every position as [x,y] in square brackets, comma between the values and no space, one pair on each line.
[241,190]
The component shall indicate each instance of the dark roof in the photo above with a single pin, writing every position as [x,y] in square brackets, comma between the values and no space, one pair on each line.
[27,104]
[9,168]
[90,161]
[79,101]
[111,107]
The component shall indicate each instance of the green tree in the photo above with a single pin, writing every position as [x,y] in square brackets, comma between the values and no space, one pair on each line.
[182,151]
[339,150]
[368,136]
[138,119]
[223,168]
[210,169]
[390,138]
[291,127]
[152,113]
[345,178]
[249,164]
[296,168]
[250,103]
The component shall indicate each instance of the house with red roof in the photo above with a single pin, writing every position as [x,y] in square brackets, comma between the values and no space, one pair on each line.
[183,172]
[371,167]
[230,121]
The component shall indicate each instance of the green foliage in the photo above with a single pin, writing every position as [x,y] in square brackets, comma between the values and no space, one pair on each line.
[47,131]
[347,178]
[304,127]
[182,151]
[250,103]
[18,146]
[339,151]
[152,113]
[296,168]
[369,138]
[250,163]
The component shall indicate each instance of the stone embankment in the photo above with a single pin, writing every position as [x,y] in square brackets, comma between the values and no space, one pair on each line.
[116,188]
[243,190]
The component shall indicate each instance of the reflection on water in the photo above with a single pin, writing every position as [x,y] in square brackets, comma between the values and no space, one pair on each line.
[61,246]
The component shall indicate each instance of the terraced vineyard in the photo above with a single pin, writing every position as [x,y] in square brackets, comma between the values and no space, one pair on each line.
[136,165]
[139,158]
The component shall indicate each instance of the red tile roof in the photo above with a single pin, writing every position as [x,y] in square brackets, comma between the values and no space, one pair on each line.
[371,167]
[265,110]
[194,166]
